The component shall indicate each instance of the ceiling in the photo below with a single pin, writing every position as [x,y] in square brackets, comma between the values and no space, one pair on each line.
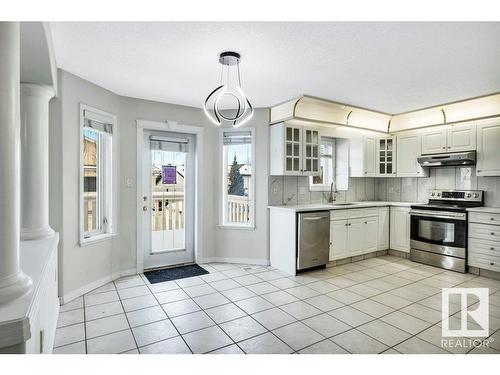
[389,67]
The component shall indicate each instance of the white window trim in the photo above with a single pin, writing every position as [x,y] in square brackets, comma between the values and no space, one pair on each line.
[108,166]
[222,224]
[325,187]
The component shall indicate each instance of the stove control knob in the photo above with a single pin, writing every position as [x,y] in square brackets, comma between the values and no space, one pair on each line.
[439,194]
[469,195]
[476,195]
[432,194]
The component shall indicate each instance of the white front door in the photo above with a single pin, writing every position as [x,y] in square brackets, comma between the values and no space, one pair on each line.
[168,198]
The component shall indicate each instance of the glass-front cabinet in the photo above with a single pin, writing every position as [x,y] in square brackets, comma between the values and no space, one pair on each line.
[311,152]
[293,144]
[294,150]
[386,157]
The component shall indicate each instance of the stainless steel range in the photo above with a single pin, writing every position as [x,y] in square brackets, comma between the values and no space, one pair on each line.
[439,228]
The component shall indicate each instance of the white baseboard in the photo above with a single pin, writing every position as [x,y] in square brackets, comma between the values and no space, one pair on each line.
[94,285]
[258,262]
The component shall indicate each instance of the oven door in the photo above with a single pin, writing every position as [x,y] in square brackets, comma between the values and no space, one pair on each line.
[439,232]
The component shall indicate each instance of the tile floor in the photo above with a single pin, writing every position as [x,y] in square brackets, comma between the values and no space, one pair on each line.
[378,305]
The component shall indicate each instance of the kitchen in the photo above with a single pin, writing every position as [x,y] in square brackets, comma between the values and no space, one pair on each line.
[424,187]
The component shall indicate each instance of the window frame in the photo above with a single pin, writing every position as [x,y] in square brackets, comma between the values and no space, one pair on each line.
[223,186]
[104,176]
[325,187]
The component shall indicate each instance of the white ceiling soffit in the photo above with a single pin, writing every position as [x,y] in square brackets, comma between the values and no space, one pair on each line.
[391,67]
[37,54]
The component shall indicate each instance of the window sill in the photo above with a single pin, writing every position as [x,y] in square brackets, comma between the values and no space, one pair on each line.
[323,188]
[97,238]
[236,227]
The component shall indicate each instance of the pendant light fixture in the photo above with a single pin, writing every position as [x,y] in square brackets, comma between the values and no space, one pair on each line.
[228,89]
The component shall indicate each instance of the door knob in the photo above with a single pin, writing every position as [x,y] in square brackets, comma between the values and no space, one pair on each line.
[144,208]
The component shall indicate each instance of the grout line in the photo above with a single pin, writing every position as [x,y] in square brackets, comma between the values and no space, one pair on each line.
[128,322]
[356,282]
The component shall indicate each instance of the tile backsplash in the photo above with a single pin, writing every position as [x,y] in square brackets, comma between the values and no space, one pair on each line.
[295,190]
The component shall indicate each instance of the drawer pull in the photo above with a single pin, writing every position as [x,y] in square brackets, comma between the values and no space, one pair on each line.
[492,264]
[492,248]
[492,233]
[492,218]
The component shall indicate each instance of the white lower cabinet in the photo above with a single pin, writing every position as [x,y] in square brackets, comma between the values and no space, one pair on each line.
[484,241]
[383,228]
[400,229]
[353,232]
[338,239]
[355,237]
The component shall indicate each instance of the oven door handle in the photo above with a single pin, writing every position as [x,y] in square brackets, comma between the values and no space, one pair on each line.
[440,215]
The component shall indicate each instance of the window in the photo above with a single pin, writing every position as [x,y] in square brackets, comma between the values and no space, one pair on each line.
[96,173]
[238,180]
[326,176]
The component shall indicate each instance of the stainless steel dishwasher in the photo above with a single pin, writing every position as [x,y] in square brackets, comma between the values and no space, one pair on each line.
[313,242]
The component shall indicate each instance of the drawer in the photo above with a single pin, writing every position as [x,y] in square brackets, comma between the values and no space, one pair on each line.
[356,212]
[338,214]
[484,232]
[490,248]
[484,218]
[484,261]
[371,212]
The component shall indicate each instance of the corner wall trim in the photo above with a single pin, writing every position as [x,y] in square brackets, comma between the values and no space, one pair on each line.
[68,297]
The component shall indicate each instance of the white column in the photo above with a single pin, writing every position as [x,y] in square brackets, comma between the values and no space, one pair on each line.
[13,282]
[35,161]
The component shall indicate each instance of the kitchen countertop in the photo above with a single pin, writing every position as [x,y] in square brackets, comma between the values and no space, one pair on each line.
[327,206]
[493,210]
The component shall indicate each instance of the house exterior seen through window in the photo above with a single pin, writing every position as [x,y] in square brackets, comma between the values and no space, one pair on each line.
[238,197]
[96,174]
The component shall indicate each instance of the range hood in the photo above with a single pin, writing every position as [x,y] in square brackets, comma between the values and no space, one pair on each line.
[457,159]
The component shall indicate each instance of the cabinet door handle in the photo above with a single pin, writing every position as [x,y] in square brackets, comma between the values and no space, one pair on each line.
[492,263]
[492,218]
[492,233]
[492,248]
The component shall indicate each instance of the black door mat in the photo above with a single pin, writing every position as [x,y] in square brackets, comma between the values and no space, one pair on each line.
[174,273]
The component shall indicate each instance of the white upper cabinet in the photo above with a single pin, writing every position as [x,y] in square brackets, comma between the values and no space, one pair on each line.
[311,151]
[434,141]
[294,150]
[488,148]
[454,138]
[386,157]
[408,150]
[363,157]
[461,138]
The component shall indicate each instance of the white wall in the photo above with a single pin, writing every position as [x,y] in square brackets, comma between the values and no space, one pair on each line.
[78,266]
[250,246]
[82,266]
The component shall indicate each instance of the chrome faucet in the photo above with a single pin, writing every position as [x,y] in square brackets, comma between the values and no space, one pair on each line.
[333,192]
